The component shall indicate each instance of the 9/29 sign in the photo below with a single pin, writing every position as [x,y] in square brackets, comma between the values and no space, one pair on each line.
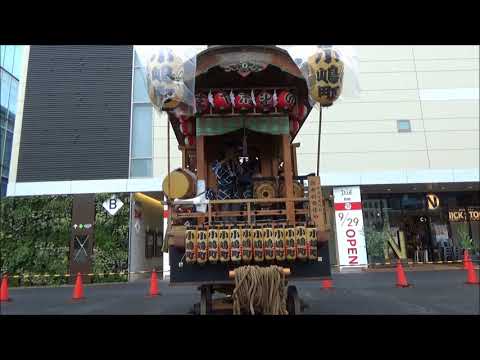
[349,225]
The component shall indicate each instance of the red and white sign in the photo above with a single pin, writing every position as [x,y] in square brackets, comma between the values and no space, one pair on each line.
[166,258]
[352,251]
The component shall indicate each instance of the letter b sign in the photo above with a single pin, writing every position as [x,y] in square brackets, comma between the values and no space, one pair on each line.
[112,205]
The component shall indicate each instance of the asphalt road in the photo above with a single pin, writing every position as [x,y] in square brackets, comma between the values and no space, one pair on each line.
[433,292]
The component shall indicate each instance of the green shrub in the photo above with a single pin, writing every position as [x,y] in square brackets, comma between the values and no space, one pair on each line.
[375,242]
[35,235]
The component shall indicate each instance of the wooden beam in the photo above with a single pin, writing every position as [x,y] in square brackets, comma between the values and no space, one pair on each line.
[294,159]
[216,214]
[201,166]
[255,201]
[288,175]
[184,158]
[201,163]
[238,213]
[275,166]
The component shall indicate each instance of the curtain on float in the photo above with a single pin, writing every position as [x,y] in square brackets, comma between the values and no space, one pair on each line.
[209,126]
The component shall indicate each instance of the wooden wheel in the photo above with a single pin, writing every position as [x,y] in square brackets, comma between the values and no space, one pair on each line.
[293,301]
[205,300]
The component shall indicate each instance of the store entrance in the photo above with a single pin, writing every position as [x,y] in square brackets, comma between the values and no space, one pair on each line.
[418,239]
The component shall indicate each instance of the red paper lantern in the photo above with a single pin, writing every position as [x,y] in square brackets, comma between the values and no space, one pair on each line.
[264,101]
[184,119]
[294,126]
[221,101]
[186,127]
[202,103]
[189,140]
[299,111]
[243,102]
[286,100]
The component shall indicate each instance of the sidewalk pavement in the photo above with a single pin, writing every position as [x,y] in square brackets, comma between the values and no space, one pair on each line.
[408,267]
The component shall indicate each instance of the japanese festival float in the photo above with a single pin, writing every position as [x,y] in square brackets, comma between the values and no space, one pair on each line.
[241,219]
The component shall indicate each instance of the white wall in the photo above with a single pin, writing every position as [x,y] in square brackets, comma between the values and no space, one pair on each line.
[160,147]
[435,87]
[152,219]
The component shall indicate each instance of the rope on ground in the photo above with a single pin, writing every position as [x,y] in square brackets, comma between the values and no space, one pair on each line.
[260,289]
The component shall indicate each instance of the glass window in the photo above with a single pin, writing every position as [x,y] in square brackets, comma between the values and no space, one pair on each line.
[4,187]
[8,58]
[137,61]
[11,122]
[17,63]
[140,86]
[2,54]
[142,131]
[5,88]
[2,143]
[141,168]
[5,170]
[403,126]
[3,116]
[12,102]
[8,150]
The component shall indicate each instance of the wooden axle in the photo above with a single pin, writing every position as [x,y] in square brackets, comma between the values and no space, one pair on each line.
[286,272]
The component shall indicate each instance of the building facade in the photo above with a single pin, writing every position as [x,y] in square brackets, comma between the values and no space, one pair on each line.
[412,132]
[10,73]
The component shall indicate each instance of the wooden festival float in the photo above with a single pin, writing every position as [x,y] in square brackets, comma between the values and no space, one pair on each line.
[250,101]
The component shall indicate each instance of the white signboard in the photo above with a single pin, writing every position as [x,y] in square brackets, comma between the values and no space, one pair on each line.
[352,251]
[112,205]
[166,258]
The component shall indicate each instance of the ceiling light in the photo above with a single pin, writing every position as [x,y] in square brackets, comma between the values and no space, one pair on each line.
[148,199]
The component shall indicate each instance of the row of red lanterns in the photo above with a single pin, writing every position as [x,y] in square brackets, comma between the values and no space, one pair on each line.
[263,101]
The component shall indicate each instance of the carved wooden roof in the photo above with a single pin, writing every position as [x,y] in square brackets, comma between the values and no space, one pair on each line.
[230,57]
[246,66]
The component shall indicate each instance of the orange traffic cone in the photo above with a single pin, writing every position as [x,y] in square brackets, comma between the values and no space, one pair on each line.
[401,278]
[466,259]
[154,284]
[4,290]
[327,284]
[471,274]
[78,289]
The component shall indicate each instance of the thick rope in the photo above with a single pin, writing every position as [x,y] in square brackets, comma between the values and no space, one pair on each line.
[259,289]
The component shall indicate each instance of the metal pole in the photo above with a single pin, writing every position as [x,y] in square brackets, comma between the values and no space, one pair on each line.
[319,133]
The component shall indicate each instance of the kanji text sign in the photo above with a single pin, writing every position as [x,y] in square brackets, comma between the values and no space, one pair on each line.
[316,202]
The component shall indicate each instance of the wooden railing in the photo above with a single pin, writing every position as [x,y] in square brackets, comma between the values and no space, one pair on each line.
[248,213]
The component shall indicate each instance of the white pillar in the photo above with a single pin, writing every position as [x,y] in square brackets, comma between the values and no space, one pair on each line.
[142,217]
